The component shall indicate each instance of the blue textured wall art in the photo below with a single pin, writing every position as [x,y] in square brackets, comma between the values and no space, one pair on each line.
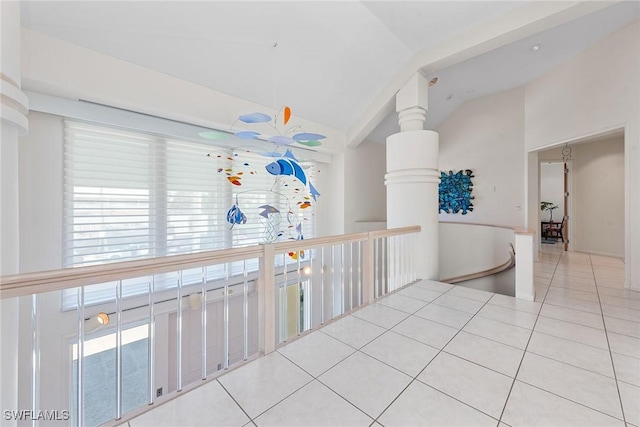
[454,192]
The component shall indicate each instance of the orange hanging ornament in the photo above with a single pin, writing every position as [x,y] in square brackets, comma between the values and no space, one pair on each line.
[287,114]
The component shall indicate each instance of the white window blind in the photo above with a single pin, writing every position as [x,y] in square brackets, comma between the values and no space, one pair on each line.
[197,198]
[108,203]
[130,195]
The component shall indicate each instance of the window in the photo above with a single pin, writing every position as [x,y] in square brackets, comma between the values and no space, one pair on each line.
[131,195]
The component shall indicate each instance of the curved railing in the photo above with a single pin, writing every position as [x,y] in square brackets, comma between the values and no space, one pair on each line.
[470,251]
[484,273]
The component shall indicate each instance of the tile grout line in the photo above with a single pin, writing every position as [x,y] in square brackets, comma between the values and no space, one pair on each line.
[568,321]
[330,367]
[572,341]
[555,304]
[625,320]
[356,350]
[492,340]
[415,378]
[613,366]
[625,308]
[524,353]
[599,302]
[478,364]
[507,323]
[557,291]
[573,366]
[235,401]
[571,400]
[317,378]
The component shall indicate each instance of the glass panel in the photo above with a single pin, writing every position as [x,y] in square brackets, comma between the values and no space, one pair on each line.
[98,354]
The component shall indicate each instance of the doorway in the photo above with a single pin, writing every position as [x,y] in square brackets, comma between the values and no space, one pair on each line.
[595,192]
[553,206]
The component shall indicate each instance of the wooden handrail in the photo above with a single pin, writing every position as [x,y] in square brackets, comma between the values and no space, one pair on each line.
[345,238]
[395,231]
[56,280]
[517,230]
[290,245]
[495,270]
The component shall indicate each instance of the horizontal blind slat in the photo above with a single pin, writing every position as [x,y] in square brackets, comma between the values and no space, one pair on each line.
[126,191]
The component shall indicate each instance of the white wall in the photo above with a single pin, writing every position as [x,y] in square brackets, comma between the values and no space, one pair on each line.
[599,197]
[596,91]
[365,195]
[470,248]
[330,205]
[486,136]
[58,68]
[596,180]
[41,197]
[552,189]
[40,205]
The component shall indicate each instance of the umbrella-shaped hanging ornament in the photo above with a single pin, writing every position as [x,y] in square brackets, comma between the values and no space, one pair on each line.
[284,135]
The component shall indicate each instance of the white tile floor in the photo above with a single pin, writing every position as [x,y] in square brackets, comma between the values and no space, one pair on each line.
[441,355]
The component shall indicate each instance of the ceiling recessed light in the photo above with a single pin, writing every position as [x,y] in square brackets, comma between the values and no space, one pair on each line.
[433,81]
[535,47]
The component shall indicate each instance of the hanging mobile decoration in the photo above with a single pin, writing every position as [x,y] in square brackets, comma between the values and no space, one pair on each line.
[270,217]
[300,253]
[298,193]
[288,165]
[235,215]
[285,136]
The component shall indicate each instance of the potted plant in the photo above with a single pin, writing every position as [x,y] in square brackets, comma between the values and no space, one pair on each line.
[548,206]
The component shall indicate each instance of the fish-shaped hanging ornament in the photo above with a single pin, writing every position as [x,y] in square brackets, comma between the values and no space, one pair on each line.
[288,165]
[235,215]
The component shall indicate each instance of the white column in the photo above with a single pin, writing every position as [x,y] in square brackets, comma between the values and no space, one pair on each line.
[412,176]
[13,122]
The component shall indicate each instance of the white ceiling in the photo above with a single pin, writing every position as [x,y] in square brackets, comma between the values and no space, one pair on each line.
[332,57]
[513,65]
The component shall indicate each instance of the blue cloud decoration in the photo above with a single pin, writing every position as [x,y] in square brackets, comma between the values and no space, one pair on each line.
[454,192]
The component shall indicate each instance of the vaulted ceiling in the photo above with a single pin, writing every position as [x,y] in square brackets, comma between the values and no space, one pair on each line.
[331,61]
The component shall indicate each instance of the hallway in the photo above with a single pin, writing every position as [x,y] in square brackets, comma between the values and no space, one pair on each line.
[443,355]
